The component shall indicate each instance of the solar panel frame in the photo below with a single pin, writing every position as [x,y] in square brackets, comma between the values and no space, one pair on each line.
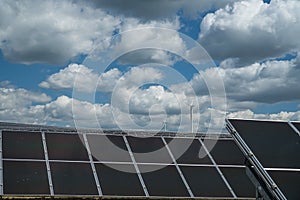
[34,178]
[265,139]
[57,150]
[62,186]
[256,171]
[287,181]
[91,161]
[28,146]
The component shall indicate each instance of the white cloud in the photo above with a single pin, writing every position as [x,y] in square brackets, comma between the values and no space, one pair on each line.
[268,82]
[252,30]
[248,114]
[140,43]
[50,31]
[82,78]
[159,9]
[13,98]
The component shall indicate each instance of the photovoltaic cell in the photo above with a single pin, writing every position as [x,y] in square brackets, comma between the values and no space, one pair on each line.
[187,151]
[108,148]
[163,182]
[149,150]
[26,178]
[22,145]
[73,178]
[117,180]
[66,147]
[273,143]
[226,152]
[288,182]
[239,181]
[205,181]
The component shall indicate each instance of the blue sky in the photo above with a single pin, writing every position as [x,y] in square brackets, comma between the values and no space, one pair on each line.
[114,66]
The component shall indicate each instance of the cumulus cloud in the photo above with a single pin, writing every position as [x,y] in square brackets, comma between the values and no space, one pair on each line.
[252,30]
[16,105]
[248,114]
[13,98]
[82,78]
[267,82]
[140,43]
[149,10]
[53,33]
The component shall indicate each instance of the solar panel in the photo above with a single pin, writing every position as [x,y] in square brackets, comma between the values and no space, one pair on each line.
[163,182]
[54,163]
[25,178]
[226,152]
[288,182]
[149,150]
[17,144]
[273,143]
[273,150]
[239,181]
[205,181]
[116,179]
[66,147]
[71,178]
[102,148]
[187,151]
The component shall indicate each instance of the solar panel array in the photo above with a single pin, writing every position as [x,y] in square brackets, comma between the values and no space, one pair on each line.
[276,145]
[53,162]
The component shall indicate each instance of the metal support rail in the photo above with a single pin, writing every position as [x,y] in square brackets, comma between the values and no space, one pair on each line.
[218,169]
[261,172]
[87,146]
[178,168]
[47,163]
[136,167]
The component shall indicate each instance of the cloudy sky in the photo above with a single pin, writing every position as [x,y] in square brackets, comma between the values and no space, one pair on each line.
[142,64]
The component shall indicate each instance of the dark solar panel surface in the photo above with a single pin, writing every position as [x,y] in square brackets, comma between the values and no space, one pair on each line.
[277,147]
[205,182]
[142,146]
[273,143]
[117,180]
[187,151]
[288,182]
[22,145]
[25,178]
[66,147]
[239,181]
[163,182]
[108,148]
[226,152]
[71,168]
[73,178]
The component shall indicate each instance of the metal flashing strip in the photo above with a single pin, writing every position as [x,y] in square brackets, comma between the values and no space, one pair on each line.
[47,163]
[257,166]
[294,128]
[136,167]
[178,168]
[218,169]
[92,165]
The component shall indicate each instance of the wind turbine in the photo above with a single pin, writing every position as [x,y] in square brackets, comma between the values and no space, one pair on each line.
[165,125]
